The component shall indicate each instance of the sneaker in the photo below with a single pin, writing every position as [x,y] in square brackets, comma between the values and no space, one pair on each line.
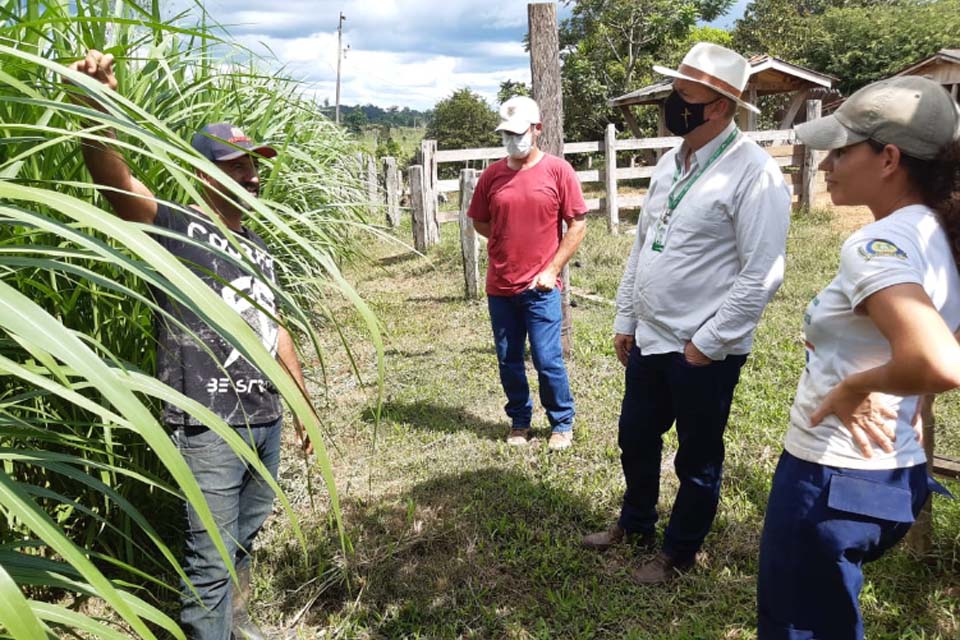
[662,569]
[560,440]
[518,437]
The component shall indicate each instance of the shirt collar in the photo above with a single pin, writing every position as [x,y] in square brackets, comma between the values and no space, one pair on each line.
[703,153]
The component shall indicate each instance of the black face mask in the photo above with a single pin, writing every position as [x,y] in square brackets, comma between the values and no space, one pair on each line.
[681,116]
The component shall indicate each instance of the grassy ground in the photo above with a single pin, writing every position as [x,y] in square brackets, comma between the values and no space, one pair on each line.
[456,535]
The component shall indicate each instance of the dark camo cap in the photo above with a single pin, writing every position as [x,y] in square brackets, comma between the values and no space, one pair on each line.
[218,142]
[913,113]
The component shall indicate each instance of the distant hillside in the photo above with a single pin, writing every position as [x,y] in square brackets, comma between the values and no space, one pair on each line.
[374,115]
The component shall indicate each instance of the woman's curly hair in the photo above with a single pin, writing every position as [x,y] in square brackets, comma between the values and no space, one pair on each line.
[938,181]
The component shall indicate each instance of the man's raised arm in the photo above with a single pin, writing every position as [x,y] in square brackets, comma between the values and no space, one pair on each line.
[130,199]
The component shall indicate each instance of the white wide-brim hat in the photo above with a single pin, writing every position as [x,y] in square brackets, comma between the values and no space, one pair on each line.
[719,68]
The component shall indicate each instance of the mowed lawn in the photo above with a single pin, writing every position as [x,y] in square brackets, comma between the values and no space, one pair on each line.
[454,534]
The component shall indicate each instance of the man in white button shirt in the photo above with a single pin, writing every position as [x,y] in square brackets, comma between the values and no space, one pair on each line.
[708,257]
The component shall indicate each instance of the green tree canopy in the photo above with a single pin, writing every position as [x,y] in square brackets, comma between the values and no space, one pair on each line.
[510,88]
[463,121]
[608,47]
[858,41]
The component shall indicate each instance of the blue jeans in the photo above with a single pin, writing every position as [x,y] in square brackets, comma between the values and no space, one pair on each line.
[662,389]
[535,314]
[240,502]
[822,523]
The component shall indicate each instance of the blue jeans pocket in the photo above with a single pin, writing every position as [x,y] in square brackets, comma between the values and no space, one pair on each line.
[195,439]
[872,499]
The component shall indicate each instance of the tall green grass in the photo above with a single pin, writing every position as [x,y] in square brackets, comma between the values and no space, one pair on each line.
[85,466]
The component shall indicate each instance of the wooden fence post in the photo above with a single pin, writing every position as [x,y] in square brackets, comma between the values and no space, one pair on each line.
[610,151]
[418,207]
[391,179]
[469,244]
[373,197]
[545,81]
[811,159]
[428,160]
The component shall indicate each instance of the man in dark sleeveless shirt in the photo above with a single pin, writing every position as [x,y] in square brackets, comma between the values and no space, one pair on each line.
[193,359]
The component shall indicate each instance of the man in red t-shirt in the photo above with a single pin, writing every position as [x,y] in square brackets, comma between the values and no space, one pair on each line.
[520,204]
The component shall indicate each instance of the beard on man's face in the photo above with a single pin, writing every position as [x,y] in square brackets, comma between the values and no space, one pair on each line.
[253,188]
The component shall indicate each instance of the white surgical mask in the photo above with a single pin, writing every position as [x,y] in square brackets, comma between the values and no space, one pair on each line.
[518,146]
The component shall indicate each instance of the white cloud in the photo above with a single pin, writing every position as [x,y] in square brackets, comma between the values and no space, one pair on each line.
[402,52]
[387,77]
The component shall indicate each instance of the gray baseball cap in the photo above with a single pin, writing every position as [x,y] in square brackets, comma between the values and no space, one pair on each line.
[912,113]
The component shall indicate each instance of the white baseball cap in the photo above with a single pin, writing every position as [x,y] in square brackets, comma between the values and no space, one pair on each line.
[517,114]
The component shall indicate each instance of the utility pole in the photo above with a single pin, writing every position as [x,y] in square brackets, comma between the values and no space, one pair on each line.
[339,59]
[545,76]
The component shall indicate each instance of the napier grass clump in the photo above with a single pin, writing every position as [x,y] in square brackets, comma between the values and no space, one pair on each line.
[88,472]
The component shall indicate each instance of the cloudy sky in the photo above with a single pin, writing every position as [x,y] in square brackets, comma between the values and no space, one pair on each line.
[402,52]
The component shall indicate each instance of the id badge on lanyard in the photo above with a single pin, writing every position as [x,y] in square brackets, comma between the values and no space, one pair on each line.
[663,222]
[660,232]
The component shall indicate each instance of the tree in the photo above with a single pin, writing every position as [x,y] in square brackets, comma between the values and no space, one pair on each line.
[462,121]
[608,47]
[859,45]
[510,88]
[356,120]
[857,41]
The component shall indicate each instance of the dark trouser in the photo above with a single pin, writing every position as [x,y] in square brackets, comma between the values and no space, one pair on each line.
[240,502]
[822,524]
[535,314]
[661,389]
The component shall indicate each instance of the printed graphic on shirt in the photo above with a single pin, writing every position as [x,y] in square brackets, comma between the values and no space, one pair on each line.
[881,249]
[250,298]
[204,366]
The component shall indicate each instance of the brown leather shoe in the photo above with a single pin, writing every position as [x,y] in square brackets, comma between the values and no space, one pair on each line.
[518,437]
[603,540]
[661,569]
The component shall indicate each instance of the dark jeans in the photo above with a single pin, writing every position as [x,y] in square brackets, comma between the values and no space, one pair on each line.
[240,502]
[535,314]
[661,389]
[822,524]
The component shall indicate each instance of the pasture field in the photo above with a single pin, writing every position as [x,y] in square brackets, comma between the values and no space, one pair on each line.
[456,535]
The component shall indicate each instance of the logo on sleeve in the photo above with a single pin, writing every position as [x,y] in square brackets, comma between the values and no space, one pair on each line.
[881,249]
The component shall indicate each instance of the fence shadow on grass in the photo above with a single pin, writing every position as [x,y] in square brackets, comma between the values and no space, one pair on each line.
[437,417]
[399,258]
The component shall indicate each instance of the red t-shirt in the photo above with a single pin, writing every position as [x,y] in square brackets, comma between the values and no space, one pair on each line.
[525,209]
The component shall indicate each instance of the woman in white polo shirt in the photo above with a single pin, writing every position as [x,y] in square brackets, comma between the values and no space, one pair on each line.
[880,335]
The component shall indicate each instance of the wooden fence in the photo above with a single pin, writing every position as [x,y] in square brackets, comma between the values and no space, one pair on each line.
[425,189]
[792,157]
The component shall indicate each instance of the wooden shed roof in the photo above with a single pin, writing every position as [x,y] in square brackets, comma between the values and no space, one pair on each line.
[950,56]
[768,75]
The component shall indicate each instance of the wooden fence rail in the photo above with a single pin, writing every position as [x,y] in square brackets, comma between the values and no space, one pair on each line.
[799,163]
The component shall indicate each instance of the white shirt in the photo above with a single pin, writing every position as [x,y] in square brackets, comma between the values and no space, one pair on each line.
[723,254]
[908,246]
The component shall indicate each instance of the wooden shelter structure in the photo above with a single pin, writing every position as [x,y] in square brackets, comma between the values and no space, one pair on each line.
[768,76]
[942,67]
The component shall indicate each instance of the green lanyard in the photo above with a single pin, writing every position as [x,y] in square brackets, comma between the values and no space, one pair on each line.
[673,200]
